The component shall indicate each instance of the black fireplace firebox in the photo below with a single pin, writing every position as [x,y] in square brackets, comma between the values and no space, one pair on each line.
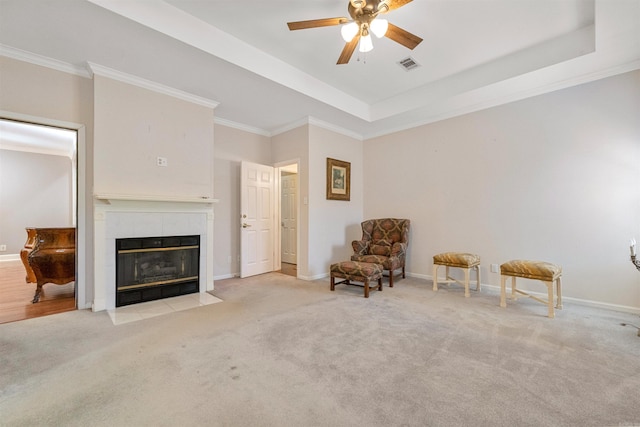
[152,268]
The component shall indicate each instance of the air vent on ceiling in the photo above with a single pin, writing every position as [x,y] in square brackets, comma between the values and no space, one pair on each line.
[408,63]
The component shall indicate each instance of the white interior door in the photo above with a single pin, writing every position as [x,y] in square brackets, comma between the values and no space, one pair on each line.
[257,219]
[289,220]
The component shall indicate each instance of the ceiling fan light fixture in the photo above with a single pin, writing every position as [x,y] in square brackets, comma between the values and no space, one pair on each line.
[366,44]
[379,27]
[358,3]
[383,6]
[349,31]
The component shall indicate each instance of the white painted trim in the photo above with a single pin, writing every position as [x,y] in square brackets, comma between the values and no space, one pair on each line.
[334,128]
[10,257]
[149,85]
[240,126]
[510,97]
[154,198]
[43,61]
[226,276]
[589,303]
[319,123]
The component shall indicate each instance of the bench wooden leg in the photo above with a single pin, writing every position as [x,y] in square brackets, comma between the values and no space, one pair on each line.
[467,277]
[478,276]
[333,283]
[503,291]
[435,276]
[559,293]
[550,300]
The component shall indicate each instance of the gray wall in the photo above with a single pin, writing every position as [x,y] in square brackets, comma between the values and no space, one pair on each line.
[35,191]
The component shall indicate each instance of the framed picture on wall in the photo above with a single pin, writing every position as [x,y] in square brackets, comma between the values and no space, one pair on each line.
[338,180]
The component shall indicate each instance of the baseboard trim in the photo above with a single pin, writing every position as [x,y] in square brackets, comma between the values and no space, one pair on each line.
[10,257]
[579,301]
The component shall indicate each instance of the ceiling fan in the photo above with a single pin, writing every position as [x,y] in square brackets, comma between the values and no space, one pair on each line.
[364,21]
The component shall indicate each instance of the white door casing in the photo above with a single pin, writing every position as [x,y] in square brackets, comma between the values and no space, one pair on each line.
[257,219]
[289,218]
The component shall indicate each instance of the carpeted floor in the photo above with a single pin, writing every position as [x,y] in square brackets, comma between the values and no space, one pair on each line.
[282,352]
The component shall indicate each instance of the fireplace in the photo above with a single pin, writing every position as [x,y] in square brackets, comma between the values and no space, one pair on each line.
[151,268]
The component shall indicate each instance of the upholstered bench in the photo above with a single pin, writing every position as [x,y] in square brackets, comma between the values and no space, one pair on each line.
[462,260]
[365,272]
[546,272]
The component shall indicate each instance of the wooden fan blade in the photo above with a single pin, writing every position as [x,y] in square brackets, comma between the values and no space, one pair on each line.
[345,56]
[405,38]
[396,4]
[314,23]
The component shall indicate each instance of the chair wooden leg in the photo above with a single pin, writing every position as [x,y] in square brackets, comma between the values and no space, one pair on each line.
[478,272]
[391,278]
[380,283]
[366,288]
[435,276]
[403,276]
[333,283]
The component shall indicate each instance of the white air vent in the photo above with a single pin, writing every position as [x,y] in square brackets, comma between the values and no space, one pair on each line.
[408,63]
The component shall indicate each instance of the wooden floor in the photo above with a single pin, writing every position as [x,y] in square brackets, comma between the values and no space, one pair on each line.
[16,295]
[289,269]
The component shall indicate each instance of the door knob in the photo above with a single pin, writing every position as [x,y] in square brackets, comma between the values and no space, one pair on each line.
[245,225]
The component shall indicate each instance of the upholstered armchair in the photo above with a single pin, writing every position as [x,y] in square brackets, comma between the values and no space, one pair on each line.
[384,241]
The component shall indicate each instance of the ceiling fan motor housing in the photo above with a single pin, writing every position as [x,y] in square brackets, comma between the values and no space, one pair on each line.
[366,11]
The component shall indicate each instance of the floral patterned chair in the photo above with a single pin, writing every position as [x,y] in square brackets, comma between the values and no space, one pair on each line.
[384,241]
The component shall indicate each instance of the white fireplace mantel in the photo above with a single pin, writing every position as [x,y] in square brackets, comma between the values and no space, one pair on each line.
[125,216]
[155,198]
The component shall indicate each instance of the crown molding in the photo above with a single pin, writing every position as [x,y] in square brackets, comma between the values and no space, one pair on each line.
[513,97]
[319,123]
[241,126]
[100,70]
[334,128]
[43,61]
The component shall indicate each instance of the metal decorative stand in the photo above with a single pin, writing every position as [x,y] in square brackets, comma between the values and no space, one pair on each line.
[635,262]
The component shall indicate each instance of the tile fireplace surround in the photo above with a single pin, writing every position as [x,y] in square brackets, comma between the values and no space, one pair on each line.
[118,217]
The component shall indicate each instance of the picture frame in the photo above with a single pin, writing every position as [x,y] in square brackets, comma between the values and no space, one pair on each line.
[338,180]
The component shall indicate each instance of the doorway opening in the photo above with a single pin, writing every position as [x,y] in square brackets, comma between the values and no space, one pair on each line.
[289,219]
[38,189]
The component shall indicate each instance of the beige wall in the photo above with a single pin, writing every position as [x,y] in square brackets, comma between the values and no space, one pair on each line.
[554,178]
[232,146]
[135,126]
[333,224]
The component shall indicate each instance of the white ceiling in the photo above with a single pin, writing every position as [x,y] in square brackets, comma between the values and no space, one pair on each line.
[475,54]
[18,136]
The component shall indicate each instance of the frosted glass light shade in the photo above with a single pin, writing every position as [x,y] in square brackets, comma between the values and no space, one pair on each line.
[379,27]
[366,44]
[349,31]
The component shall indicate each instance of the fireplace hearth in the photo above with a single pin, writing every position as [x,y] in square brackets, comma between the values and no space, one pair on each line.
[152,268]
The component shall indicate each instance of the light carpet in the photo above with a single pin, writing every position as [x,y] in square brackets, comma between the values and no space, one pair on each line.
[283,352]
